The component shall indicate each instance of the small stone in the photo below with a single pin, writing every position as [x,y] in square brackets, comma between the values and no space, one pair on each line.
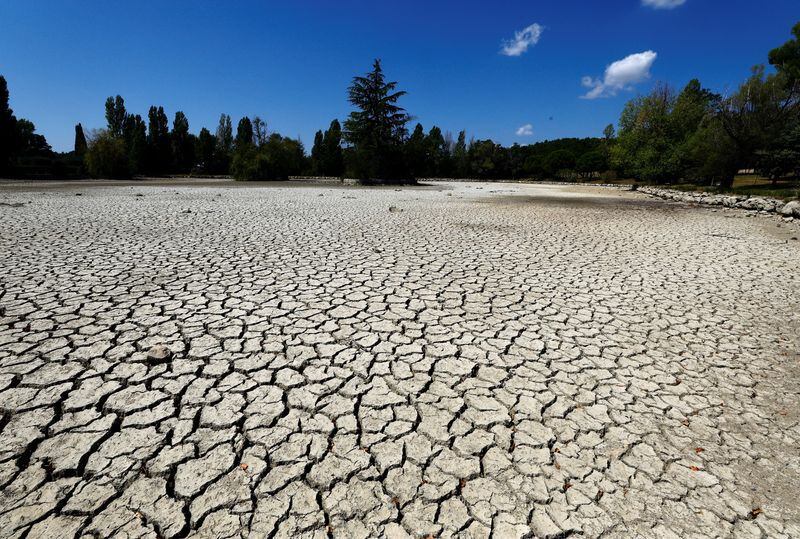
[395,209]
[159,354]
[791,209]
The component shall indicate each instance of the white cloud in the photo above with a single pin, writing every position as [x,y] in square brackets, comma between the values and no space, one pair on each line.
[663,4]
[525,131]
[522,40]
[621,75]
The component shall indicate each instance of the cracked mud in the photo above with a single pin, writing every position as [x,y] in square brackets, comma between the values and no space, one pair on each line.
[484,360]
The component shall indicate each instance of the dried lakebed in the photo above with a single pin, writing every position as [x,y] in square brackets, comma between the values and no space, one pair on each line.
[482,360]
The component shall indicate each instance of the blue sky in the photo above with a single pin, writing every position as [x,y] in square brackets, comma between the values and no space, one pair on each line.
[290,62]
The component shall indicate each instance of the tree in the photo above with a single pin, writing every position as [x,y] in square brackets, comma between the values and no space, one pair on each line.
[224,146]
[376,130]
[136,143]
[415,150]
[590,163]
[115,116]
[558,163]
[276,159]
[782,157]
[182,144]
[8,129]
[206,150]
[608,133]
[645,145]
[107,156]
[244,135]
[28,141]
[460,155]
[436,152]
[331,156]
[713,153]
[756,116]
[316,154]
[259,131]
[244,165]
[80,141]
[158,141]
[786,58]
[487,160]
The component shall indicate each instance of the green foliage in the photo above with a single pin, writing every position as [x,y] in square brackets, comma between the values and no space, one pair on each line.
[487,160]
[376,130]
[437,153]
[8,126]
[183,144]
[699,136]
[159,146]
[107,156]
[257,156]
[326,154]
[559,163]
[786,58]
[244,135]
[28,141]
[316,154]
[415,152]
[460,162]
[224,146]
[782,157]
[115,116]
[655,131]
[136,143]
[331,158]
[591,163]
[206,148]
[757,116]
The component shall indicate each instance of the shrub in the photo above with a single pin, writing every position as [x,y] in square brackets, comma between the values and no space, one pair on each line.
[107,157]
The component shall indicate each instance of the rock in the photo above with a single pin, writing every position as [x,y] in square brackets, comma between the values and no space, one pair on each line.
[791,209]
[395,209]
[759,204]
[159,354]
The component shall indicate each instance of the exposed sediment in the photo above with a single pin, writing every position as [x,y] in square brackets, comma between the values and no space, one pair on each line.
[483,360]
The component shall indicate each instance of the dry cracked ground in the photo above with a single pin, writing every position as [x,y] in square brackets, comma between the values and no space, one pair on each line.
[457,360]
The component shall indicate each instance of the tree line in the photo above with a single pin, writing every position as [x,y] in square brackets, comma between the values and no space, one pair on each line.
[25,153]
[699,136]
[695,135]
[128,146]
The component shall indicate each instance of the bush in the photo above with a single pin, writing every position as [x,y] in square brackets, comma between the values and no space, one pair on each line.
[107,157]
[277,159]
